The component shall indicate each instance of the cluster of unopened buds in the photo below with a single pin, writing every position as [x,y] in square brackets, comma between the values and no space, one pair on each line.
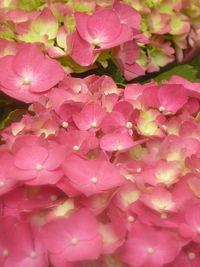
[97,175]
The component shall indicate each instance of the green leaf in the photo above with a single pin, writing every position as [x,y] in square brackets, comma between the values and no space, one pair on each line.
[10,117]
[196,64]
[187,72]
[113,71]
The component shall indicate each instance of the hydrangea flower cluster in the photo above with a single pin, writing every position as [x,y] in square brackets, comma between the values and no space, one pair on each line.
[95,174]
[140,36]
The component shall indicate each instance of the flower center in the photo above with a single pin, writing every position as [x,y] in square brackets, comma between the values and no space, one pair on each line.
[2,183]
[65,124]
[191,255]
[5,252]
[74,241]
[39,167]
[27,80]
[94,124]
[163,216]
[129,125]
[96,43]
[53,197]
[131,219]
[150,250]
[33,254]
[75,148]
[161,108]
[94,180]
[138,170]
[119,147]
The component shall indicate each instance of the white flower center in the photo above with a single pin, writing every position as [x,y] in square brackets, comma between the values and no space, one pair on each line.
[53,197]
[163,216]
[191,255]
[150,250]
[131,219]
[129,125]
[119,147]
[94,180]
[94,124]
[161,108]
[65,124]
[74,241]
[76,148]
[5,253]
[33,254]
[27,80]
[39,167]
[2,183]
[138,170]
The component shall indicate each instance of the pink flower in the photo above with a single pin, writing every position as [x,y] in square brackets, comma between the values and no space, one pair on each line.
[90,117]
[28,74]
[119,119]
[92,176]
[191,227]
[168,98]
[38,164]
[159,199]
[116,142]
[75,238]
[31,198]
[96,33]
[111,239]
[20,246]
[127,14]
[6,184]
[193,162]
[192,88]
[80,142]
[146,246]
[189,257]
[126,56]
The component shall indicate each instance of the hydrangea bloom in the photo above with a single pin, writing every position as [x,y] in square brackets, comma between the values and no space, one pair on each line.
[98,172]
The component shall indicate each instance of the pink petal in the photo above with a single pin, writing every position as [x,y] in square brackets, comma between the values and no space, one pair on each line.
[55,158]
[47,74]
[90,117]
[103,29]
[172,97]
[92,176]
[116,142]
[83,227]
[8,78]
[82,51]
[28,58]
[150,95]
[45,177]
[28,157]
[127,15]
[81,25]
[125,35]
